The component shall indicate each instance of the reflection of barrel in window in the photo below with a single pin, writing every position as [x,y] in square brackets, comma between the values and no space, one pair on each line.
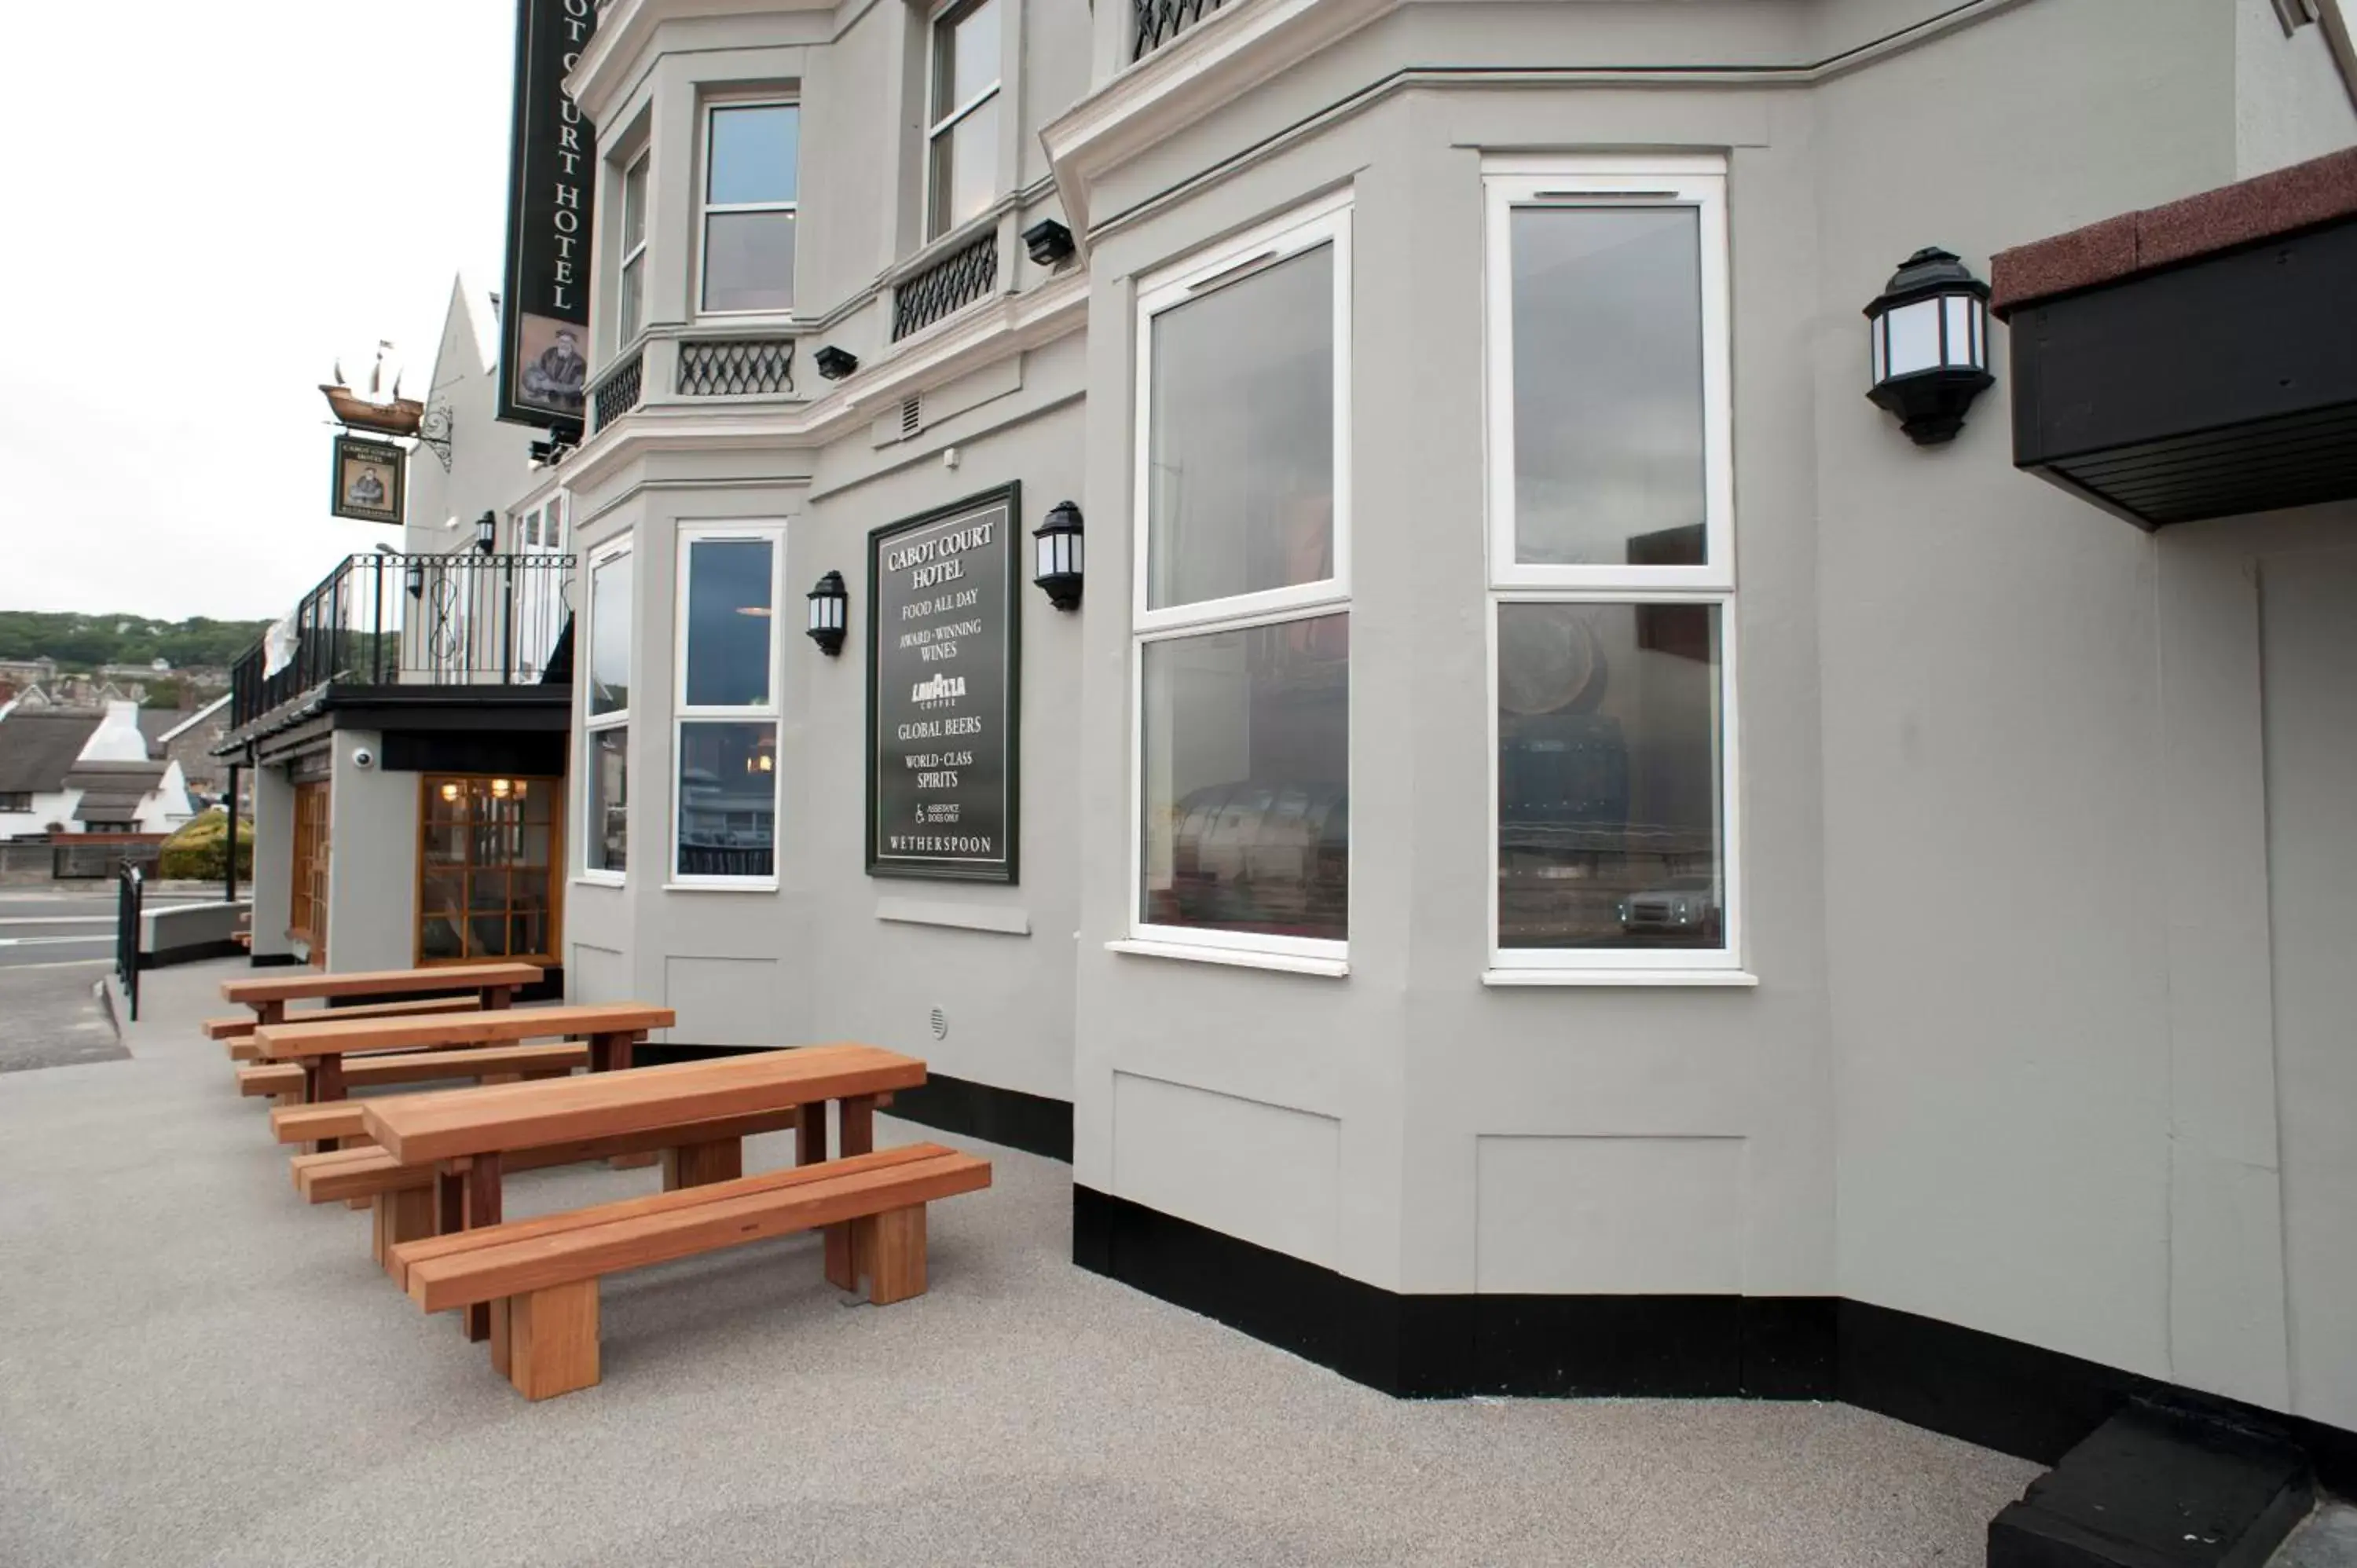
[1263,857]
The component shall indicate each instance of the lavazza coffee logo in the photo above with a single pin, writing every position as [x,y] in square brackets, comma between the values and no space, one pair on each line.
[937,691]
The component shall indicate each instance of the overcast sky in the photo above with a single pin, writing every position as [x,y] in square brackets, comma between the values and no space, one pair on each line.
[206,207]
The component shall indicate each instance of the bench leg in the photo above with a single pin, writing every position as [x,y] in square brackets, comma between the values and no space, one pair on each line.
[550,1339]
[402,1215]
[700,1164]
[891,1248]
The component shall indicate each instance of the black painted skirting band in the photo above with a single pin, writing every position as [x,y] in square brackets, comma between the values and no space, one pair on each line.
[1032,1122]
[1997,1392]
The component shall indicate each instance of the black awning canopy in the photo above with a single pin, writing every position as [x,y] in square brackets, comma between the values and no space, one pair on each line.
[2196,360]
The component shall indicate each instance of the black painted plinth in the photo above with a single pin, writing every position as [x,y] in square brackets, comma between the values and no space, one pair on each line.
[2154,1487]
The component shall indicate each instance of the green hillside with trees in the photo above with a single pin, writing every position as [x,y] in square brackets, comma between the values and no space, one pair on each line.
[83,642]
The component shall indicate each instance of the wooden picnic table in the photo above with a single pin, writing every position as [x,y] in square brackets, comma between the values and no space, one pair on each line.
[611,1028]
[268,996]
[465,1133]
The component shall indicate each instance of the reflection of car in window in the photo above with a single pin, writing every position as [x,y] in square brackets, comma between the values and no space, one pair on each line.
[1681,905]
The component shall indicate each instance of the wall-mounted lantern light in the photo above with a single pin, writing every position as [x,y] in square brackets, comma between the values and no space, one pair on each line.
[830,611]
[1056,565]
[415,579]
[1049,243]
[1930,345]
[487,532]
[835,363]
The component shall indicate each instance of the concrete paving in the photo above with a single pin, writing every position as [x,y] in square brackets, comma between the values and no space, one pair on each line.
[50,1017]
[196,1367]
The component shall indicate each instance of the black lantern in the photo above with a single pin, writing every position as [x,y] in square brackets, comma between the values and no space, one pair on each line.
[1929,333]
[487,532]
[414,579]
[830,610]
[835,363]
[1049,241]
[1057,563]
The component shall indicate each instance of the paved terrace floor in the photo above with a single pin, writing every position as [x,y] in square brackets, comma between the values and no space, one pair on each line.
[196,1367]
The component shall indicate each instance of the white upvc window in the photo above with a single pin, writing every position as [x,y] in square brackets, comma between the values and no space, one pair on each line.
[961,114]
[751,206]
[1241,608]
[632,301]
[726,711]
[606,716]
[1611,618]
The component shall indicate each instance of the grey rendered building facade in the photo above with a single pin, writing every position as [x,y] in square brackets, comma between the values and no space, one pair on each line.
[2009,1005]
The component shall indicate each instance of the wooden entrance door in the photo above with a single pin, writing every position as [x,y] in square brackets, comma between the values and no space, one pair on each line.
[307,906]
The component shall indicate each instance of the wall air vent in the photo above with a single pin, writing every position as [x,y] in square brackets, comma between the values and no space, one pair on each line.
[912,414]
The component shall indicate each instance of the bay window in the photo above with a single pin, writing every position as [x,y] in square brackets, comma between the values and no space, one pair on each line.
[1241,612]
[751,206]
[725,813]
[1612,572]
[633,293]
[961,115]
[606,719]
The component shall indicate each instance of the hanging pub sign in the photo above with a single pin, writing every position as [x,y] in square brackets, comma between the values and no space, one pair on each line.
[944,628]
[552,170]
[368,480]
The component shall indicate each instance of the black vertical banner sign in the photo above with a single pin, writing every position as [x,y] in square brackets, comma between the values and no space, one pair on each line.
[551,172]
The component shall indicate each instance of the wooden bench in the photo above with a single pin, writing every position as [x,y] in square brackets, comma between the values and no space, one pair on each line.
[401,1195]
[540,1277]
[321,1044]
[240,1028]
[423,1066]
[495,984]
[338,1119]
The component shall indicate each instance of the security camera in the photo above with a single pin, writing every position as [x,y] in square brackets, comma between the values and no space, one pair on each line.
[364,758]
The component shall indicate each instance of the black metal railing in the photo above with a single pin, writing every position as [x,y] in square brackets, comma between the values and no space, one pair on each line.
[618,390]
[966,274]
[386,619]
[1159,21]
[731,367]
[130,894]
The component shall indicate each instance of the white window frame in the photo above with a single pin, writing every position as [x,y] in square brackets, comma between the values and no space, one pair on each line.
[705,207]
[585,655]
[1699,182]
[771,712]
[629,332]
[945,15]
[1667,181]
[1325,222]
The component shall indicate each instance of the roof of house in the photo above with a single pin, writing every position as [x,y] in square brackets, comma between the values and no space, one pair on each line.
[189,723]
[39,747]
[112,792]
[2305,196]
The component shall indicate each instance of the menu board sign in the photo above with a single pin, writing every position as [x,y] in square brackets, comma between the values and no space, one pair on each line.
[943,631]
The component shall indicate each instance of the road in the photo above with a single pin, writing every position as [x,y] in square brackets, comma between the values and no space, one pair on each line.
[45,928]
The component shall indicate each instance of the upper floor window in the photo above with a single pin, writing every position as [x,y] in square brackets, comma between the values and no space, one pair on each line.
[750,203]
[961,134]
[634,249]
[15,801]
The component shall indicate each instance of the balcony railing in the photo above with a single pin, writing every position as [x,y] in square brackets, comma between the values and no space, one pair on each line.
[617,391]
[732,367]
[964,275]
[384,619]
[1159,21]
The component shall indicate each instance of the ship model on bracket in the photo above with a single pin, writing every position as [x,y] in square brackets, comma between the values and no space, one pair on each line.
[379,409]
